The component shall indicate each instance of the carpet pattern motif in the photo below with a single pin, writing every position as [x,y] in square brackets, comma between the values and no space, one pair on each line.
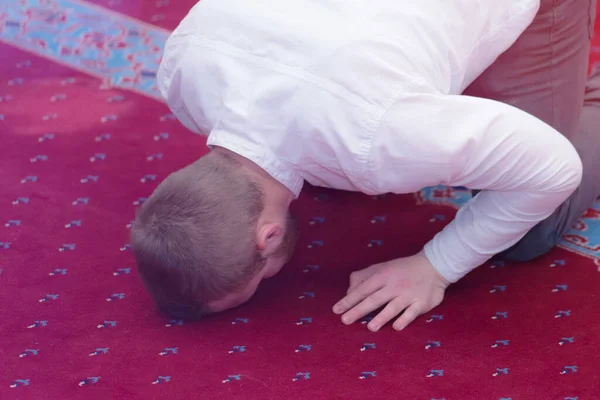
[121,51]
[84,142]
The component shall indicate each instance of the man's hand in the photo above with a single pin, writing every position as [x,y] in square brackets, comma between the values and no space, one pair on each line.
[410,284]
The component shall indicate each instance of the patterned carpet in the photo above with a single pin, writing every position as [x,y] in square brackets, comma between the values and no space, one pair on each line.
[85,139]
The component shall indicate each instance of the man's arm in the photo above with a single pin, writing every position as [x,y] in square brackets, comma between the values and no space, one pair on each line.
[525,167]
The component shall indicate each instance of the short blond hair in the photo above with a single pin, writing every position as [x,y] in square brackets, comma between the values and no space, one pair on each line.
[194,239]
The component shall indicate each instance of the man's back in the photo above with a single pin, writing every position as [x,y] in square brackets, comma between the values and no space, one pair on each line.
[307,82]
[447,42]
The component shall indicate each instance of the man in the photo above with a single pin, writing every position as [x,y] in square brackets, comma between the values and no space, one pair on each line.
[372,96]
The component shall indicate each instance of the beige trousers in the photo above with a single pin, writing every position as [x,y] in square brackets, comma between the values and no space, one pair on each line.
[545,73]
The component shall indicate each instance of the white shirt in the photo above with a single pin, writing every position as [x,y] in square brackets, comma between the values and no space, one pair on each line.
[364,95]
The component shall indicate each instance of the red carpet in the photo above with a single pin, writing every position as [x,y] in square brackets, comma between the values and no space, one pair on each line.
[76,323]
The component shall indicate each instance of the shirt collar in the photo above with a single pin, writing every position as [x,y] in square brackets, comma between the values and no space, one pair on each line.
[259,154]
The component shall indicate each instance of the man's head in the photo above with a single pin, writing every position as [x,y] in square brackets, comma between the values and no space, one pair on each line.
[210,233]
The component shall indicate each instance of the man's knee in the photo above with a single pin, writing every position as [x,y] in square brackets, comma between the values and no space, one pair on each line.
[535,244]
[547,234]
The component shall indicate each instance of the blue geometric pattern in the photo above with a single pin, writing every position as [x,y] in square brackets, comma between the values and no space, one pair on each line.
[584,238]
[119,50]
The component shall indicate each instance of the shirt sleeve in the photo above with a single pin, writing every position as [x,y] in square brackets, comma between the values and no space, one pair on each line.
[525,167]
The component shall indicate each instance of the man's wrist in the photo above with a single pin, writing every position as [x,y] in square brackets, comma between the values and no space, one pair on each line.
[443,279]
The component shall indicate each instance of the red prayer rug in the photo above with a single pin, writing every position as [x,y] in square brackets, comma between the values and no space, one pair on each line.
[84,139]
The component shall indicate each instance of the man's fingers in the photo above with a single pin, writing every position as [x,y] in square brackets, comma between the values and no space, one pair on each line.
[358,277]
[393,308]
[361,292]
[409,316]
[354,282]
[373,302]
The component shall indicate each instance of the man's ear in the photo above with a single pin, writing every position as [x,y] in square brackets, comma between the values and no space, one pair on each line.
[269,238]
